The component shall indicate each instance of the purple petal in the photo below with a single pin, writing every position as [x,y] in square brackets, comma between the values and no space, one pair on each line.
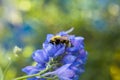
[54,50]
[64,73]
[40,56]
[83,53]
[60,51]
[69,59]
[45,45]
[40,66]
[72,49]
[30,70]
[49,36]
[50,50]
[77,43]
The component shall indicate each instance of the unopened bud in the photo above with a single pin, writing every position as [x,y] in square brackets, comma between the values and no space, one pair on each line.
[17,50]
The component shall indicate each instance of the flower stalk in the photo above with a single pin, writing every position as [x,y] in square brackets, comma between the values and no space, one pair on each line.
[33,75]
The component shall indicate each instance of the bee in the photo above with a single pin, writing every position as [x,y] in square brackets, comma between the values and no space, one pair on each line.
[60,40]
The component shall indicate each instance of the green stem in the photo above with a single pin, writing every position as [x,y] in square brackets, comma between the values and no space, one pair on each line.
[7,68]
[24,77]
[29,76]
[1,74]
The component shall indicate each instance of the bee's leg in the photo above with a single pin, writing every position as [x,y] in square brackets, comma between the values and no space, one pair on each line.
[52,42]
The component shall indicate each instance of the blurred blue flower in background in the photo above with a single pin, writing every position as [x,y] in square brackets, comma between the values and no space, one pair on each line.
[20,35]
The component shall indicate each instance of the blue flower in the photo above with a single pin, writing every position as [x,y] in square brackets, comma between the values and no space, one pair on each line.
[71,62]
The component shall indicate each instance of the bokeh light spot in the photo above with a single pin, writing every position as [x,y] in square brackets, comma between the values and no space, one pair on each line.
[113,9]
[25,5]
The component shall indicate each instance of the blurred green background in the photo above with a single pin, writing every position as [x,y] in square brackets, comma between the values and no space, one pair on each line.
[25,23]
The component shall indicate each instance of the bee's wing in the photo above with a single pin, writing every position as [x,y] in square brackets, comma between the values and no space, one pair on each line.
[70,30]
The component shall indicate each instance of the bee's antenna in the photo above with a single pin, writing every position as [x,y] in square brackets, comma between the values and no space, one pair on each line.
[70,30]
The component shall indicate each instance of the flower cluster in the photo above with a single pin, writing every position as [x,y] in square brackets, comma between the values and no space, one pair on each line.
[61,61]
